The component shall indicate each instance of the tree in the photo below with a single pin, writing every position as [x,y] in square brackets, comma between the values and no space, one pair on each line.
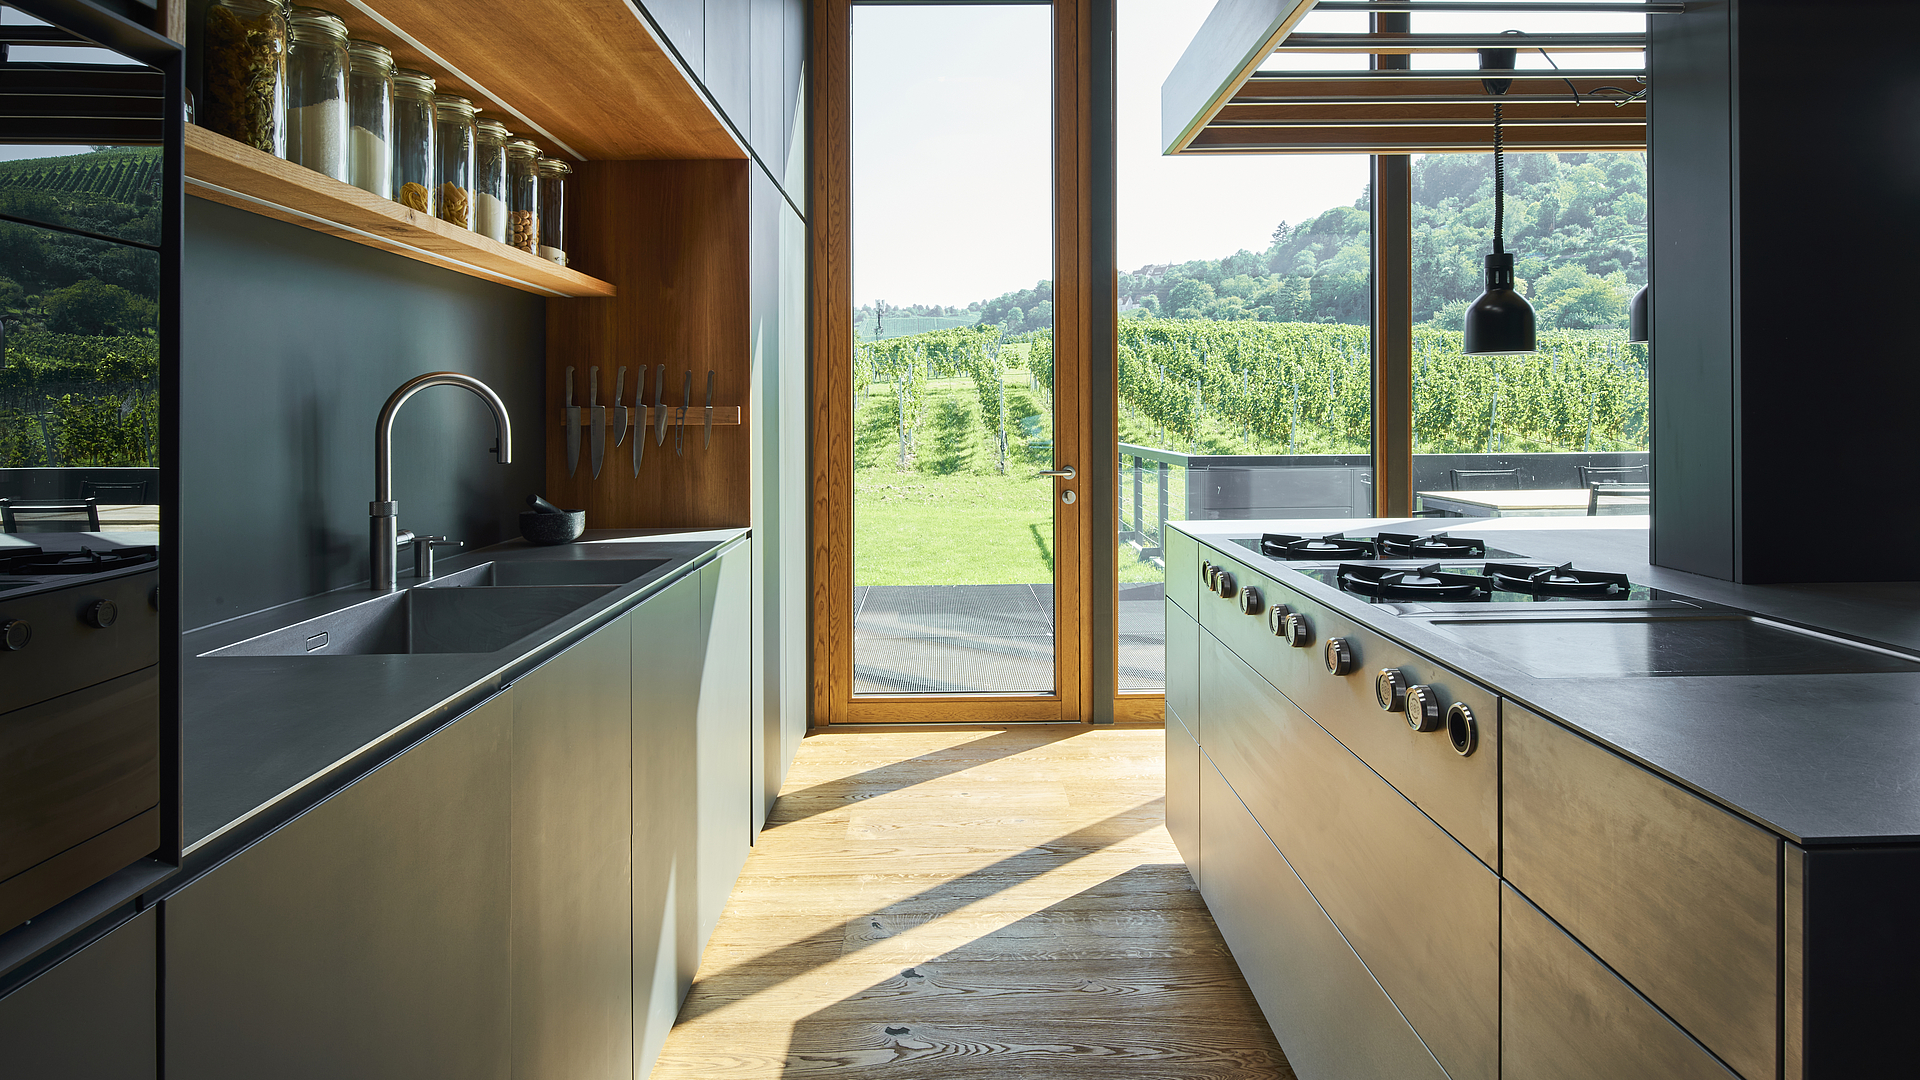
[1189,299]
[92,307]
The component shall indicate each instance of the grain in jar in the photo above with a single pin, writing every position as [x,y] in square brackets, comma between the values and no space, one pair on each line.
[453,160]
[490,178]
[523,195]
[244,95]
[553,209]
[317,91]
[370,117]
[413,172]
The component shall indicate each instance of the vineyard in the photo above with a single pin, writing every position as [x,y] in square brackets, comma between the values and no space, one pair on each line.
[130,175]
[69,400]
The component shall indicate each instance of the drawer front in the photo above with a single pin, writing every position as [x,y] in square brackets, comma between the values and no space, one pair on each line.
[1566,1017]
[1329,1014]
[65,650]
[1183,569]
[1677,895]
[76,766]
[1183,662]
[1183,791]
[1461,793]
[1420,910]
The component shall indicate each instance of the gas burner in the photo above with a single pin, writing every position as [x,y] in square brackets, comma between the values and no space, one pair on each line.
[84,561]
[1436,546]
[1398,583]
[1336,546]
[1562,580]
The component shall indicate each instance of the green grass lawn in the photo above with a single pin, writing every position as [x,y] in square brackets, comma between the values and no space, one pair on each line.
[953,518]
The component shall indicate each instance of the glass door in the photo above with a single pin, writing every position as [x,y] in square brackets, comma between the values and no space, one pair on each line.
[959,469]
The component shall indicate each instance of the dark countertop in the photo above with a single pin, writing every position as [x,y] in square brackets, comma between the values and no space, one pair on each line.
[1819,759]
[274,733]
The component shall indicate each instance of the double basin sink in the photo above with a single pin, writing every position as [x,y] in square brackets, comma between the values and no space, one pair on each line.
[481,609]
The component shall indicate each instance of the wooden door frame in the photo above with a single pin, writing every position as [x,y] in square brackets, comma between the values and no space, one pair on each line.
[830,333]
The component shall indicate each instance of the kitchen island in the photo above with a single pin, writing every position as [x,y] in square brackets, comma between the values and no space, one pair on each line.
[1555,839]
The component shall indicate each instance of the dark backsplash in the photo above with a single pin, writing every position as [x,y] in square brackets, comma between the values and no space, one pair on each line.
[291,341]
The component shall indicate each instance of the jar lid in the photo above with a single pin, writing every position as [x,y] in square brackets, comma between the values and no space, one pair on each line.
[370,51]
[454,103]
[252,7]
[554,165]
[491,128]
[312,18]
[409,79]
[519,146]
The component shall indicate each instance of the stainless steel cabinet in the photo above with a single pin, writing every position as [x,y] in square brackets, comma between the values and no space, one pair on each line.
[1183,665]
[571,845]
[1183,744]
[1330,1016]
[1677,895]
[1566,1017]
[726,70]
[367,938]
[723,755]
[1183,571]
[94,1016]
[683,22]
[1422,913]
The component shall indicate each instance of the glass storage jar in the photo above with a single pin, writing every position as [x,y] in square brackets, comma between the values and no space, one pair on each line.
[245,91]
[453,160]
[370,117]
[490,178]
[413,139]
[553,209]
[523,195]
[317,91]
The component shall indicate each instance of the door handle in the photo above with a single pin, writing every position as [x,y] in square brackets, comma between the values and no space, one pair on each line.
[1064,472]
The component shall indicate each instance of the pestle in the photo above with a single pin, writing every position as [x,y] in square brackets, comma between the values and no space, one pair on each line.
[542,506]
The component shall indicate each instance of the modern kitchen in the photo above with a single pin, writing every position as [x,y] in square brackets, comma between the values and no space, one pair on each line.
[567,760]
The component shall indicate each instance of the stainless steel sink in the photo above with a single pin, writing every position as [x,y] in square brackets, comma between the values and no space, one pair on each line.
[423,620]
[548,572]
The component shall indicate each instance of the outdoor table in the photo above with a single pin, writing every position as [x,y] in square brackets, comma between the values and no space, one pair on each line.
[1556,502]
[135,517]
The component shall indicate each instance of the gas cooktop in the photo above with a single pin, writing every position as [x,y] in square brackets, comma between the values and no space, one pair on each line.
[1484,583]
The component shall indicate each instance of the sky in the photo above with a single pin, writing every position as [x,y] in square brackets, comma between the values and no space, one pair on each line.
[951,143]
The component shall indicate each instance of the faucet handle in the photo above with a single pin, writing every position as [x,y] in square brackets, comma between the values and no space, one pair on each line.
[423,553]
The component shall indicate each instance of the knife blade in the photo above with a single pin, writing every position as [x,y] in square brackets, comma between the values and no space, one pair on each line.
[597,416]
[660,404]
[573,428]
[620,407]
[709,442]
[686,402]
[640,421]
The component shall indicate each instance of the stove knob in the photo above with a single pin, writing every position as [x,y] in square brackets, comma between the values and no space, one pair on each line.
[1227,585]
[1339,656]
[1250,602]
[153,598]
[14,634]
[1423,708]
[1462,732]
[1390,689]
[1206,574]
[1297,631]
[101,614]
[1213,579]
[1277,619]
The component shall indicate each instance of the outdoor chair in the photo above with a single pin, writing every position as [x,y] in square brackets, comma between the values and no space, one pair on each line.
[115,492]
[19,517]
[1484,479]
[1598,492]
[1624,474]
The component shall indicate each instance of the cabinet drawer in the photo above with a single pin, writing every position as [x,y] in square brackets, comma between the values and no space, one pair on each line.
[1564,1016]
[1462,794]
[1677,895]
[1183,663]
[1183,555]
[1329,1014]
[1183,791]
[1420,910]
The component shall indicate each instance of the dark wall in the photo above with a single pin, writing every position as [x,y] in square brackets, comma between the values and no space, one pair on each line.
[291,341]
[1783,227]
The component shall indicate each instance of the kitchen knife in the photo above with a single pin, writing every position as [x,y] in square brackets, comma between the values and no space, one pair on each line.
[660,406]
[709,442]
[620,407]
[597,415]
[640,421]
[573,428]
[686,402]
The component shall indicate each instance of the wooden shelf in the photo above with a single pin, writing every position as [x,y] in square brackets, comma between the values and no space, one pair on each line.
[225,171]
[587,76]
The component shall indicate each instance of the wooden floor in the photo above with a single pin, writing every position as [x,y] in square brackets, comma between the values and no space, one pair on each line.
[940,904]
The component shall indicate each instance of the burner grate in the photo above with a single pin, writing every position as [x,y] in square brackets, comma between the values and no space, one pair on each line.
[1433,546]
[1563,580]
[84,561]
[1422,583]
[1334,546]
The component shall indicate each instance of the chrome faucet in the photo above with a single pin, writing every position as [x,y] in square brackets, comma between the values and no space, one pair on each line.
[384,512]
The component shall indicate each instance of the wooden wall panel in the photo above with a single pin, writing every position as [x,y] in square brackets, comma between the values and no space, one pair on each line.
[830,347]
[673,237]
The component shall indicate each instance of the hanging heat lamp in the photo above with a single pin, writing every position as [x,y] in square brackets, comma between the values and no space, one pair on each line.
[1500,322]
[1637,332]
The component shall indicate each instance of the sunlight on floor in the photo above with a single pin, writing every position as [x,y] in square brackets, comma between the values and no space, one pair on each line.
[963,903]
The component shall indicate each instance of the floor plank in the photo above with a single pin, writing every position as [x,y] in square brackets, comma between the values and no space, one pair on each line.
[954,904]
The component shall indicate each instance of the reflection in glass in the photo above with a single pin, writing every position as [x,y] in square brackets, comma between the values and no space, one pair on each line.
[110,190]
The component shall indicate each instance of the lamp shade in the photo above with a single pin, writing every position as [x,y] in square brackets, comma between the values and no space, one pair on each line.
[1500,322]
[1637,317]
